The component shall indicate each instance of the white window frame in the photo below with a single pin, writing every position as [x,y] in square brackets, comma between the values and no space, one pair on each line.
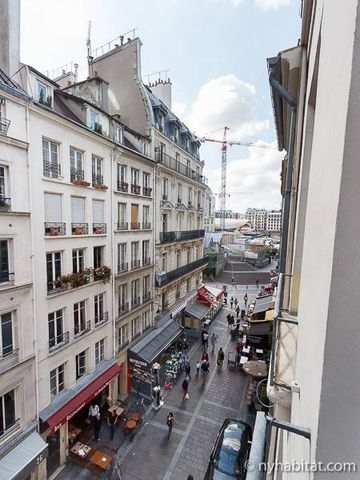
[4,428]
[99,308]
[123,335]
[76,163]
[135,176]
[118,134]
[53,276]
[79,317]
[56,316]
[122,173]
[12,345]
[51,150]
[80,369]
[78,255]
[59,384]
[99,351]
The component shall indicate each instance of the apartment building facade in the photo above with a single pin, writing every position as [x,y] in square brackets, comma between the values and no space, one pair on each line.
[314,341]
[273,221]
[209,210]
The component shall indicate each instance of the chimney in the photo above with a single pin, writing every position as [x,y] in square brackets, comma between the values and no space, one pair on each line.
[162,89]
[10,36]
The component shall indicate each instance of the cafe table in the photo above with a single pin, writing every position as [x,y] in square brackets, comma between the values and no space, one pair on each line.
[80,449]
[100,459]
[130,425]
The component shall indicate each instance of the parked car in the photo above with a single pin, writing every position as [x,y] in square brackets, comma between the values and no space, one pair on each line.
[230,452]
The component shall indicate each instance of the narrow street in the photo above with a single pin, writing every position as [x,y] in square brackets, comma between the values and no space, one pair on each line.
[151,456]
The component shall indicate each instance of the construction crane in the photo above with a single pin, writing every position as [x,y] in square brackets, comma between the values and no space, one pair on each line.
[224,144]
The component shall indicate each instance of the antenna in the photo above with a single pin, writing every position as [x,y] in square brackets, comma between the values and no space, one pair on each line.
[89,56]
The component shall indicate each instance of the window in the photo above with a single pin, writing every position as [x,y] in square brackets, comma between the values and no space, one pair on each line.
[188,256]
[98,308]
[146,216]
[7,411]
[78,260]
[135,299]
[179,199]
[57,380]
[146,319]
[53,269]
[80,361]
[146,288]
[97,175]
[53,210]
[122,223]
[135,216]
[55,325]
[178,259]
[134,176]
[6,334]
[176,134]
[123,299]
[99,351]
[93,119]
[76,164]
[118,134]
[123,336]
[121,174]
[161,122]
[77,210]
[79,318]
[188,167]
[51,165]
[163,262]
[146,180]
[164,222]
[4,261]
[134,327]
[134,254]
[122,265]
[44,94]
[4,201]
[165,185]
[190,196]
[98,257]
[98,214]
[177,161]
[146,252]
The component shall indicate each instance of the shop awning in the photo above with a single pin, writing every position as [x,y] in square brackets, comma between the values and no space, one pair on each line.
[68,403]
[209,295]
[216,292]
[157,341]
[24,458]
[262,304]
[197,310]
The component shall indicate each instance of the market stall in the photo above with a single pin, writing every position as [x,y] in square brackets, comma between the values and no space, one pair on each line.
[212,297]
[195,314]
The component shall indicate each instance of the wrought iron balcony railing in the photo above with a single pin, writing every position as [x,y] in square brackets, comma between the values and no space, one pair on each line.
[178,236]
[101,318]
[135,264]
[97,180]
[135,225]
[99,228]
[147,191]
[146,261]
[79,229]
[123,308]
[4,125]
[122,345]
[135,302]
[146,225]
[164,278]
[59,341]
[51,169]
[122,226]
[76,174]
[55,229]
[7,277]
[82,328]
[135,189]
[166,237]
[5,203]
[177,166]
[146,296]
[122,267]
[123,187]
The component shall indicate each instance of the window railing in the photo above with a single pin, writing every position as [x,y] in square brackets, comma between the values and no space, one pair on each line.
[55,229]
[123,187]
[135,264]
[178,236]
[123,267]
[146,296]
[5,203]
[4,125]
[146,261]
[123,308]
[122,226]
[76,174]
[79,229]
[99,228]
[135,189]
[147,191]
[177,166]
[166,237]
[82,328]
[135,225]
[7,277]
[97,180]
[164,197]
[101,318]
[135,302]
[59,341]
[8,351]
[146,225]
[51,169]
[164,278]
[122,345]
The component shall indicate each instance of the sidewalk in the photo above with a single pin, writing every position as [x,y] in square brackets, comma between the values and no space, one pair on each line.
[199,419]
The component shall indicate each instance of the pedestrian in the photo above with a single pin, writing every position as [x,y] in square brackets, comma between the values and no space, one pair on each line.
[235,302]
[245,299]
[198,365]
[220,357]
[231,302]
[156,369]
[185,387]
[187,371]
[112,420]
[213,340]
[238,353]
[205,371]
[237,311]
[228,318]
[181,363]
[205,356]
[97,427]
[93,411]
[257,283]
[185,347]
[170,420]
[206,340]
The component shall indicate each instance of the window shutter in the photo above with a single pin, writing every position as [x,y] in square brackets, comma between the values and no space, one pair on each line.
[52,207]
[98,211]
[78,210]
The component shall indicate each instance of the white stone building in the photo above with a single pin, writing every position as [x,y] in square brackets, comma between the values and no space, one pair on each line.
[209,210]
[257,218]
[273,221]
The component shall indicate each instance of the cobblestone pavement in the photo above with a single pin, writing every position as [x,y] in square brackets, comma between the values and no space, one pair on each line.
[151,456]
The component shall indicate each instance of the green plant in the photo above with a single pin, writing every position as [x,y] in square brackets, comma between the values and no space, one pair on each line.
[102,273]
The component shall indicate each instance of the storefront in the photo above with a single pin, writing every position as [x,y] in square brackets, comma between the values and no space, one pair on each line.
[69,410]
[258,307]
[195,315]
[25,454]
[258,335]
[146,352]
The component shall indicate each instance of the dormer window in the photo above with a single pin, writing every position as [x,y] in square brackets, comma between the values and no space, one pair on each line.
[176,134]
[44,94]
[94,121]
[161,122]
[118,134]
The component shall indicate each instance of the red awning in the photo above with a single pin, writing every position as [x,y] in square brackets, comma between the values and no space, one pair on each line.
[203,296]
[83,398]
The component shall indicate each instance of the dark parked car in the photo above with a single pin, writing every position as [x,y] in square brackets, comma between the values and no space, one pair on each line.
[230,452]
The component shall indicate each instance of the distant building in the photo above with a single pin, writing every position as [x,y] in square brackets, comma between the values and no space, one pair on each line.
[262,219]
[228,214]
[209,210]
[273,221]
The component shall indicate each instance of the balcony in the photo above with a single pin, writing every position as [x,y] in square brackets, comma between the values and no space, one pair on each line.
[4,125]
[77,177]
[97,180]
[175,165]
[146,261]
[55,229]
[135,264]
[51,169]
[136,189]
[122,345]
[82,328]
[123,308]
[147,191]
[135,302]
[164,278]
[101,318]
[146,297]
[146,226]
[99,228]
[122,268]
[59,341]
[122,226]
[135,225]
[123,187]
[167,237]
[6,277]
[5,203]
[79,229]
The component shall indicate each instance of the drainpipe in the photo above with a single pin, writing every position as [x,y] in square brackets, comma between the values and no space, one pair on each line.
[291,101]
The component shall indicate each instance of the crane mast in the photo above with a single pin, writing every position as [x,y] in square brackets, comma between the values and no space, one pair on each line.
[223,179]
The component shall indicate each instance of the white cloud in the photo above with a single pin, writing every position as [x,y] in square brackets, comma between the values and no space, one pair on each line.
[272,4]
[226,101]
[178,108]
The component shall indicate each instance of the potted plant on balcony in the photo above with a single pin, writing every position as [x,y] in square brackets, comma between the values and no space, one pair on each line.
[54,231]
[102,273]
[100,186]
[99,230]
[124,186]
[82,183]
[79,231]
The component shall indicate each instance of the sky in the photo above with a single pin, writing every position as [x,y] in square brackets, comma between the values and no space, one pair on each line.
[215,52]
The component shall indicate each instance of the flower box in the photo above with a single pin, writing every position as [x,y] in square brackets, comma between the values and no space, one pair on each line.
[79,231]
[54,231]
[80,182]
[100,186]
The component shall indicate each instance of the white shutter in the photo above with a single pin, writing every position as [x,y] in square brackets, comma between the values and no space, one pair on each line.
[52,207]
[98,211]
[77,210]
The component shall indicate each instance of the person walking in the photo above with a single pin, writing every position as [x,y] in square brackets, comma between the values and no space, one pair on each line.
[228,318]
[205,371]
[257,283]
[206,340]
[97,427]
[220,357]
[186,347]
[231,302]
[93,411]
[237,311]
[198,365]
[235,302]
[190,477]
[185,387]
[213,341]
[187,371]
[205,356]
[170,421]
[245,299]
[112,420]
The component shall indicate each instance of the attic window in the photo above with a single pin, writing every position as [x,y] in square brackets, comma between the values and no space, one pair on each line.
[44,94]
[161,124]
[118,134]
